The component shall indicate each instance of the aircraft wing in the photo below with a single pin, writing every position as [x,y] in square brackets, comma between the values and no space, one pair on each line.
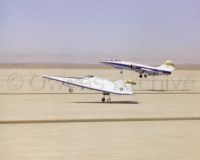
[164,69]
[130,66]
[149,71]
[143,69]
[95,83]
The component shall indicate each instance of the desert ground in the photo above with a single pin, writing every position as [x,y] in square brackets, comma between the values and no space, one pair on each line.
[39,119]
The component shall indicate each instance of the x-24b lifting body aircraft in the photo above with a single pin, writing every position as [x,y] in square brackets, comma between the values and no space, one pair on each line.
[105,86]
[143,70]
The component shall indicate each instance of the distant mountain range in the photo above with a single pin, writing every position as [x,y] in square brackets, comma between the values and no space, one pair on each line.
[60,58]
[65,59]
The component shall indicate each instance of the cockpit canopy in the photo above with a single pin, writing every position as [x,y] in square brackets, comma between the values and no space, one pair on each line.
[116,60]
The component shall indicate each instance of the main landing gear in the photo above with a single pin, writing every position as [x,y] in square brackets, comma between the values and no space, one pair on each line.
[104,99]
[143,74]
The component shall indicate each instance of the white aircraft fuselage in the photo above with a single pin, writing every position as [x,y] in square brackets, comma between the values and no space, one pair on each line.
[105,86]
[165,69]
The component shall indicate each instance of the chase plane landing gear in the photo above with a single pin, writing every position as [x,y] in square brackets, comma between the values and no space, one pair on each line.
[104,99]
[143,74]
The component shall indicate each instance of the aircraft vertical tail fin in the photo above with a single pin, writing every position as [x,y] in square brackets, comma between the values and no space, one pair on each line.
[168,65]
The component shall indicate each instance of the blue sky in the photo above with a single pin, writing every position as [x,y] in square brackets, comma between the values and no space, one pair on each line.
[143,30]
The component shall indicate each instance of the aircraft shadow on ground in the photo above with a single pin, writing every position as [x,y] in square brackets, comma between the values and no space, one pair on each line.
[113,102]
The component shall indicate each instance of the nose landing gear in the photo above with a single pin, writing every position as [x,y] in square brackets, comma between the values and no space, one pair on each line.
[70,90]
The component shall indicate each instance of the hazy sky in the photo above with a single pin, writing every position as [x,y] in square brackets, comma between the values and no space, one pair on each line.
[128,29]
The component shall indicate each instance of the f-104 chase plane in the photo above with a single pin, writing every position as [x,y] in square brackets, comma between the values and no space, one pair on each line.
[143,70]
[105,86]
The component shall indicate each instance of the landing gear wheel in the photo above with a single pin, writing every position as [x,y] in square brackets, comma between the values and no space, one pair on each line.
[103,99]
[70,90]
[121,72]
[109,100]
[140,75]
[145,75]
